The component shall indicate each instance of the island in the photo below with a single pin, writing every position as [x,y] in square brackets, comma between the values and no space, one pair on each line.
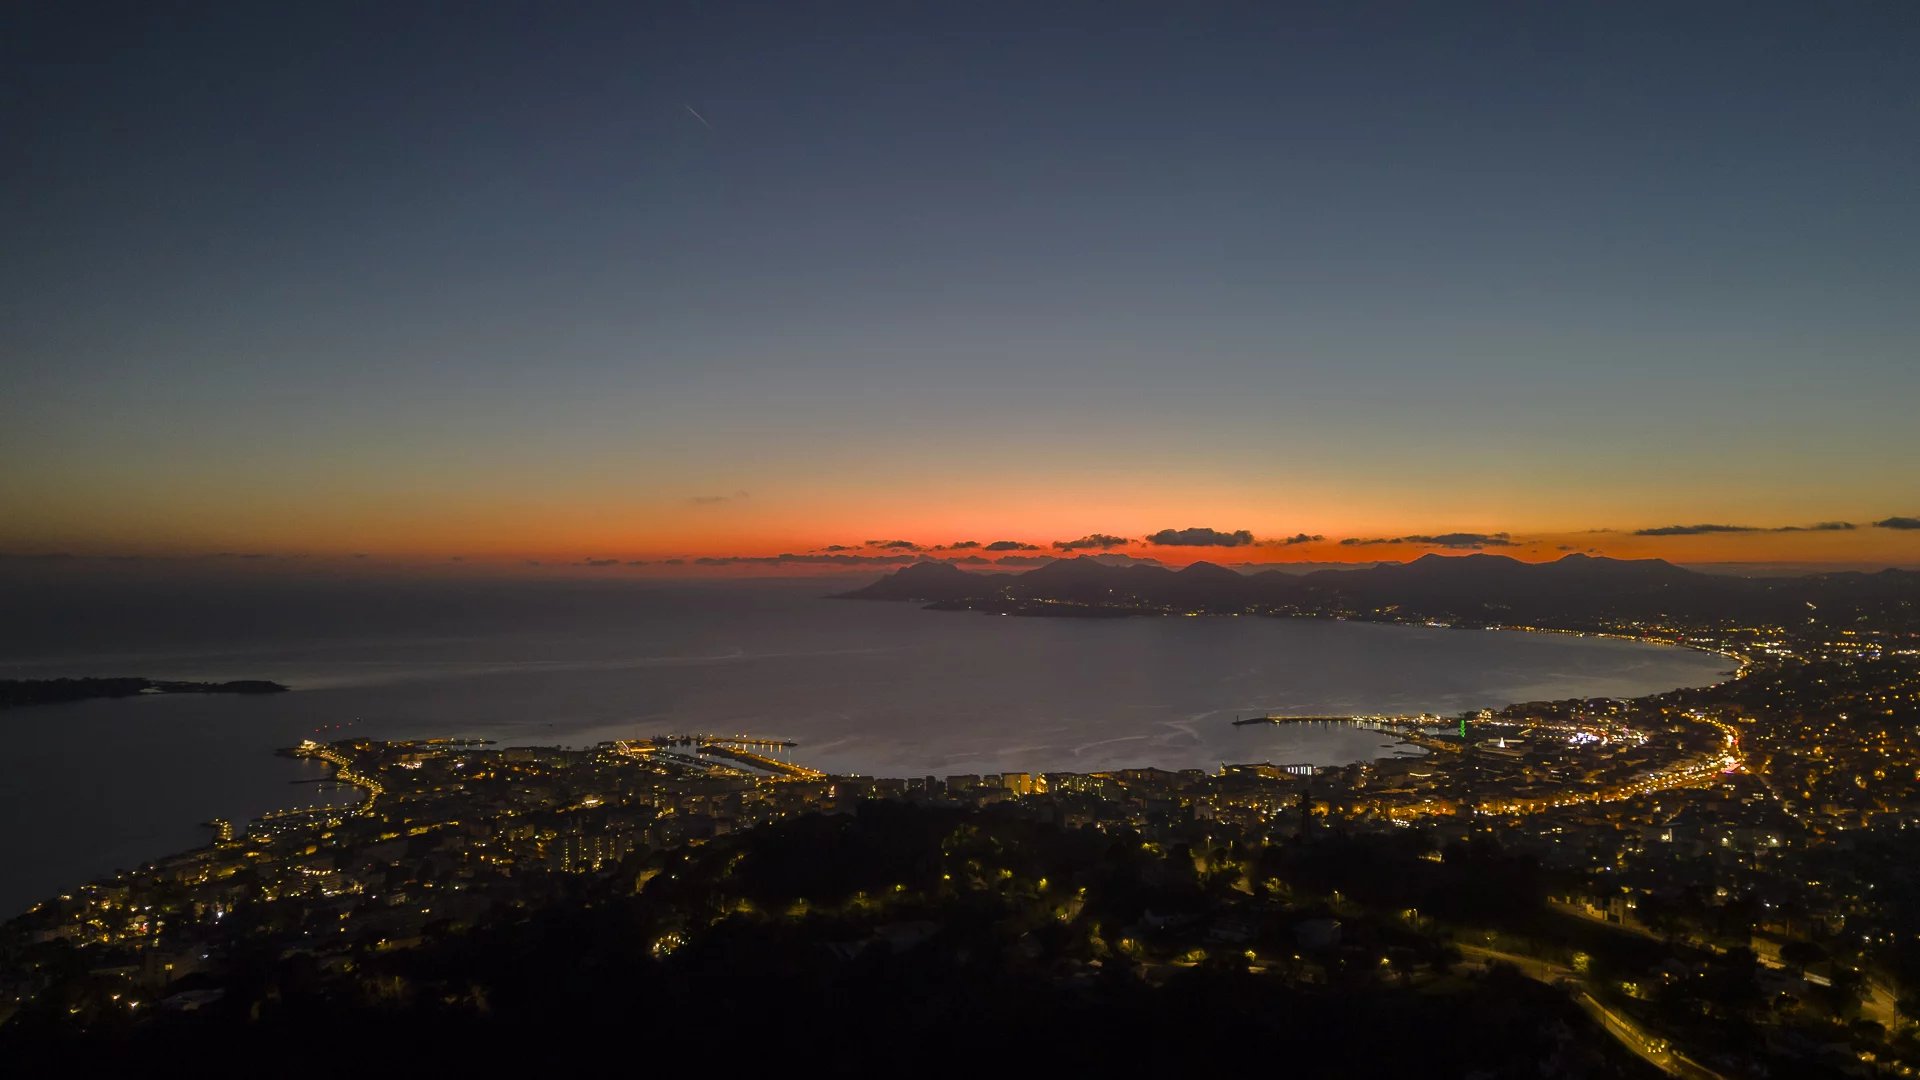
[20,692]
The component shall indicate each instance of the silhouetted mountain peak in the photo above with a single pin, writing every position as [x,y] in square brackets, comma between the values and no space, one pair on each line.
[924,581]
[1078,568]
[1435,562]
[1206,571]
[930,571]
[1579,563]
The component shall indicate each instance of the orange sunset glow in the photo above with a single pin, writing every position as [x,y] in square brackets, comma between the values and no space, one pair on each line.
[1052,537]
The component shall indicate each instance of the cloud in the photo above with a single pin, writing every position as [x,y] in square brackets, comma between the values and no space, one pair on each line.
[1564,547]
[1296,538]
[1446,540]
[959,545]
[1200,537]
[716,500]
[1011,545]
[1694,530]
[792,559]
[1466,540]
[601,562]
[1898,523]
[1698,530]
[895,545]
[1026,560]
[968,560]
[840,547]
[1090,541]
[638,562]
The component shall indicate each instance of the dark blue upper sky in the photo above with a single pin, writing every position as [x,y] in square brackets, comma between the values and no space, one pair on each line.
[398,264]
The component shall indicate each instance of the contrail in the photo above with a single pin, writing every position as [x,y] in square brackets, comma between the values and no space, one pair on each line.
[696,115]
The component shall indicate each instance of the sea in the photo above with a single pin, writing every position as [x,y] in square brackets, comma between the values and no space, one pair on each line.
[876,688]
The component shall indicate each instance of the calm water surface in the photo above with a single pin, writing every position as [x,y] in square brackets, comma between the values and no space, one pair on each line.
[878,688]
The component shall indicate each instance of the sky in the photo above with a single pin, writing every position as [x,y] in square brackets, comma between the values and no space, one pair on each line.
[643,283]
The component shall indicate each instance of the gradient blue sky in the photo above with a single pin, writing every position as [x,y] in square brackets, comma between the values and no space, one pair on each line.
[409,278]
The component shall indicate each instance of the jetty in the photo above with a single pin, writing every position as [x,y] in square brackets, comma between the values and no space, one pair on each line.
[1423,720]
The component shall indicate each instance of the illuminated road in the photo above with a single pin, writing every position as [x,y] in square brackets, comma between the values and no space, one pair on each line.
[1649,1048]
[1686,773]
[343,772]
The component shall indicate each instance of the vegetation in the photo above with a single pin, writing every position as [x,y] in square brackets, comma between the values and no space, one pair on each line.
[902,933]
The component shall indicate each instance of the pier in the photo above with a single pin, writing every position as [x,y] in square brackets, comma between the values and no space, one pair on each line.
[1375,722]
[749,742]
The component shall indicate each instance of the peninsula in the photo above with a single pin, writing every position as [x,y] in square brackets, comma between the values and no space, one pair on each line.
[19,692]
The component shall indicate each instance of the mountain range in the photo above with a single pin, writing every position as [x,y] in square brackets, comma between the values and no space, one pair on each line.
[1464,588]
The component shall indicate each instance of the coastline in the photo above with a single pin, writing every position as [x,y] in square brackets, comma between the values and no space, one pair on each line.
[109,720]
[344,773]
[1742,661]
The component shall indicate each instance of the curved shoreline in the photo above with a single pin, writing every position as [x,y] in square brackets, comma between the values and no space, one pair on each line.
[1743,663]
[1194,688]
[1060,609]
[342,771]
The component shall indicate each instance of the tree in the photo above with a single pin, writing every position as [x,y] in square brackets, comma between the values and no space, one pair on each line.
[1800,954]
[1662,915]
[1730,988]
[1842,995]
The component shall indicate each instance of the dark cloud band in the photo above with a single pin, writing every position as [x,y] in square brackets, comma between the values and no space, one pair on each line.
[1445,540]
[1200,537]
[1092,542]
